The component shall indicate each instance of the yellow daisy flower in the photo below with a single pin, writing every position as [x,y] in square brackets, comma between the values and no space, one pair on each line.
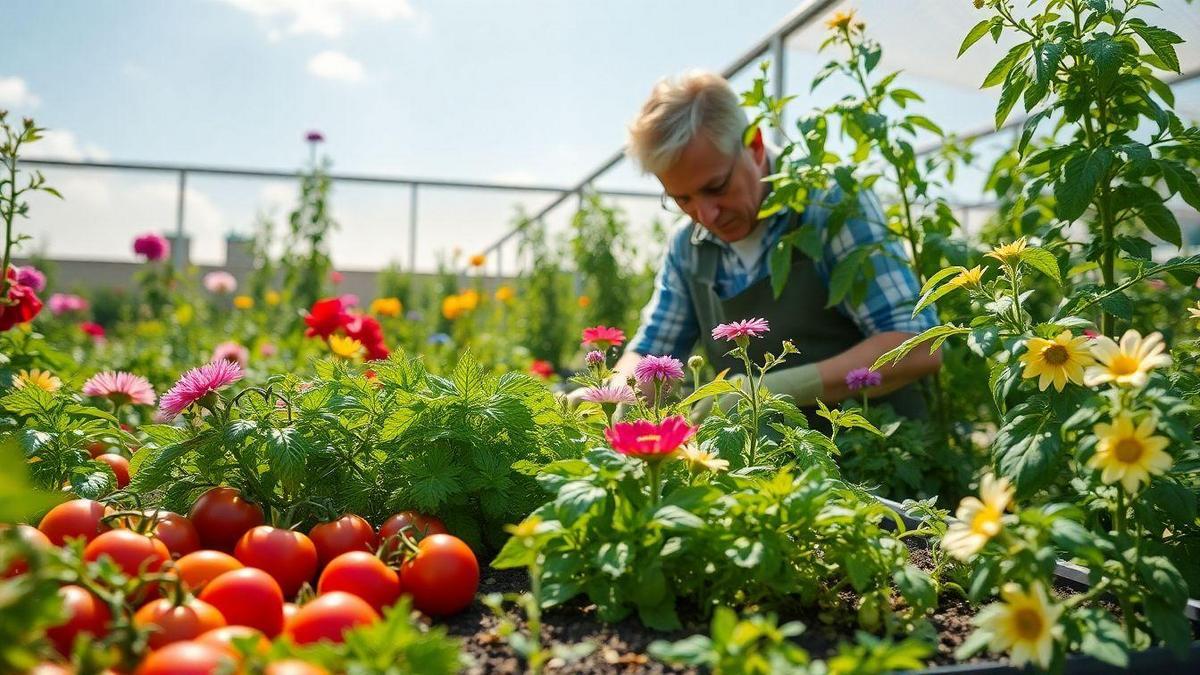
[1129,454]
[840,20]
[243,302]
[505,293]
[1056,361]
[469,299]
[701,460]
[1127,363]
[272,298]
[386,307]
[978,519]
[1009,253]
[41,379]
[1024,624]
[965,278]
[345,347]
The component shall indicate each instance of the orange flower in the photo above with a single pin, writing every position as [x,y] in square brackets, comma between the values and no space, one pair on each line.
[478,260]
[505,293]
[584,301]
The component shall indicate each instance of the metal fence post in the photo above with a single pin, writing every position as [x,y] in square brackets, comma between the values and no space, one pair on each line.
[180,249]
[779,71]
[412,229]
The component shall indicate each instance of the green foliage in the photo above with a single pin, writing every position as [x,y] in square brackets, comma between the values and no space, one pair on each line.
[545,297]
[602,250]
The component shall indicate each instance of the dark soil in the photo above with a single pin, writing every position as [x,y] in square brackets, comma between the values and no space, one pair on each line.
[622,647]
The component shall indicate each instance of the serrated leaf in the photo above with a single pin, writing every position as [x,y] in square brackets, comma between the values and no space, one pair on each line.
[1043,261]
[1080,177]
[287,453]
[845,273]
[1027,448]
[1160,41]
[1181,179]
[1162,222]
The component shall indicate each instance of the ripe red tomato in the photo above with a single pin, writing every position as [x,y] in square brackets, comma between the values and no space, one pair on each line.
[76,518]
[288,556]
[419,525]
[348,533]
[362,574]
[176,531]
[226,635]
[195,570]
[294,667]
[35,539]
[328,616]
[97,448]
[134,553]
[442,577]
[86,614]
[119,466]
[175,623]
[247,597]
[222,516]
[187,658]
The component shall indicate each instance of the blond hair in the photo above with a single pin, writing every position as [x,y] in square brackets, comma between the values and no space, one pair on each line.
[680,108]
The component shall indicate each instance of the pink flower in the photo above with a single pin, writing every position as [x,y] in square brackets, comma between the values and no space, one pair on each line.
[658,368]
[220,282]
[61,303]
[1091,334]
[649,441]
[120,387]
[603,337]
[152,247]
[348,300]
[740,330]
[861,378]
[195,385]
[314,136]
[610,393]
[267,350]
[594,358]
[93,329]
[336,277]
[32,277]
[231,351]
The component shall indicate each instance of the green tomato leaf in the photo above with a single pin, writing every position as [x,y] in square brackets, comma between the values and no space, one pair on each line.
[1043,261]
[978,31]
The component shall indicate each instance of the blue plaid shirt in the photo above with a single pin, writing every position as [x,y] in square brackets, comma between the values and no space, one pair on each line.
[669,324]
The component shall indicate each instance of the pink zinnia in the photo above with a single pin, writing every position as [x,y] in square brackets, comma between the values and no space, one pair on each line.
[220,282]
[610,393]
[658,368]
[861,378]
[603,337]
[740,330]
[195,385]
[231,351]
[649,441]
[61,303]
[120,387]
[32,277]
[594,358]
[152,247]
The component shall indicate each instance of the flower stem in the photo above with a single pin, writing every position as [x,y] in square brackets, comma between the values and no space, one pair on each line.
[654,473]
[752,455]
[1123,595]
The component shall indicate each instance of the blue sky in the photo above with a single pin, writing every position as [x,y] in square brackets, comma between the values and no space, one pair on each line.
[519,90]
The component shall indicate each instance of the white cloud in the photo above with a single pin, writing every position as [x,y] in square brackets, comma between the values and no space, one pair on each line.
[334,65]
[62,144]
[14,93]
[322,17]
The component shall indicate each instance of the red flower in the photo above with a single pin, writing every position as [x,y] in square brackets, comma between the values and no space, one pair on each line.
[541,368]
[93,329]
[646,440]
[603,337]
[19,305]
[325,318]
[366,329]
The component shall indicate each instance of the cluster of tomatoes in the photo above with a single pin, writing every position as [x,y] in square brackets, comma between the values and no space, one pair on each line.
[221,573]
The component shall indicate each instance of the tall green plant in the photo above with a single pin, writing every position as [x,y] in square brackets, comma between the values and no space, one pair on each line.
[544,291]
[306,260]
[603,251]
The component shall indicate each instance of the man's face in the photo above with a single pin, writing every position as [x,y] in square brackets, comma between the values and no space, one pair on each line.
[721,193]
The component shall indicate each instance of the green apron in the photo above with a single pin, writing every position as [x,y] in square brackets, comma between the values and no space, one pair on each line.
[799,314]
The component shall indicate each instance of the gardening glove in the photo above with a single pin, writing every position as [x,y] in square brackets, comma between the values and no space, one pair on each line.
[802,383]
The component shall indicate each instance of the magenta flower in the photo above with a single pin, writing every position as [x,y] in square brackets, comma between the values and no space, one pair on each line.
[649,441]
[348,300]
[120,387]
[662,368]
[32,277]
[610,393]
[61,303]
[195,385]
[220,282]
[740,330]
[861,378]
[594,358]
[231,351]
[603,337]
[314,136]
[152,247]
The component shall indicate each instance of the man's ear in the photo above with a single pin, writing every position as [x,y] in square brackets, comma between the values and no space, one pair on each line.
[757,149]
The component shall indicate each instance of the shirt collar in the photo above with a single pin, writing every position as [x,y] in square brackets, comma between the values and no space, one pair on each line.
[772,223]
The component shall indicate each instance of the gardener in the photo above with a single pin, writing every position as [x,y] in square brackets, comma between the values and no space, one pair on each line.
[689,135]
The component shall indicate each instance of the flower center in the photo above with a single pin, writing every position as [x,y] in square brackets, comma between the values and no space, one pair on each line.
[1128,450]
[986,522]
[1028,623]
[1055,355]
[1123,365]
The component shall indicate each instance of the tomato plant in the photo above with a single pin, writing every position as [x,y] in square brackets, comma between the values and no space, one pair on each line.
[175,531]
[247,597]
[34,538]
[290,557]
[413,524]
[348,533]
[170,621]
[76,518]
[222,516]
[328,617]
[442,576]
[364,575]
[86,615]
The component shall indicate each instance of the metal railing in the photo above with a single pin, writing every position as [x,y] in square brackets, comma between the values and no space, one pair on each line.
[414,184]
